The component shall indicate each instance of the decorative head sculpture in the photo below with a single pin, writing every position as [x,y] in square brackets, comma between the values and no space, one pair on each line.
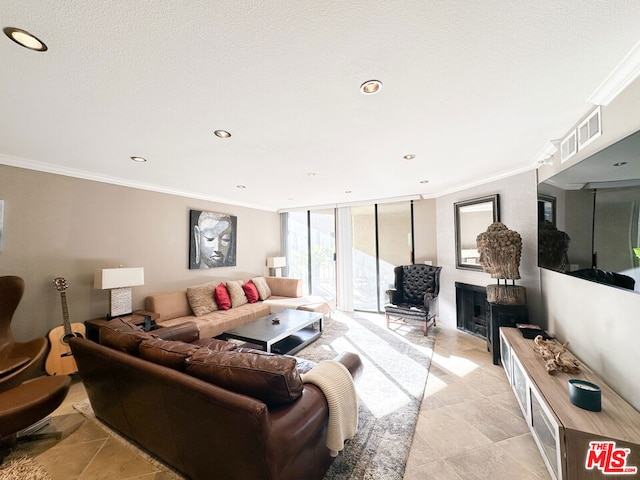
[553,245]
[500,251]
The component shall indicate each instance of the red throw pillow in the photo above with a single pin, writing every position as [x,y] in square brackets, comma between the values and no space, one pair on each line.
[251,292]
[221,295]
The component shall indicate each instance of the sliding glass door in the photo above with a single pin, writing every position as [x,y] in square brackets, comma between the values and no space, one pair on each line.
[395,243]
[380,238]
[311,249]
[364,257]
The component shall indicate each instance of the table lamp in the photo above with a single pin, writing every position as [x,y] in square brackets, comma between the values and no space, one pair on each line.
[119,282]
[276,264]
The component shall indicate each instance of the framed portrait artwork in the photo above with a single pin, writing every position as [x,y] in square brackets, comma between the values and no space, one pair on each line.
[212,241]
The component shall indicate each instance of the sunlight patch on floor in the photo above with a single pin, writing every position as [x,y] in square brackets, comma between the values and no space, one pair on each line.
[434,385]
[383,390]
[453,364]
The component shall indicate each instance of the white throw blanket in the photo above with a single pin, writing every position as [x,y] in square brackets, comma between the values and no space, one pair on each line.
[335,381]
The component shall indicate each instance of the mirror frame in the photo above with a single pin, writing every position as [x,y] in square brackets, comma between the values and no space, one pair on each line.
[494,200]
[546,203]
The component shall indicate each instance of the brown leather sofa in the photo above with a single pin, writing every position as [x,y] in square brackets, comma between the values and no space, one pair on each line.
[207,408]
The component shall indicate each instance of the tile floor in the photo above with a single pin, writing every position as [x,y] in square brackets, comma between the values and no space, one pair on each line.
[469,427]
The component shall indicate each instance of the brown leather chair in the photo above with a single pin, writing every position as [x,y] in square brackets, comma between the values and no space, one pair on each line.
[413,297]
[18,361]
[26,405]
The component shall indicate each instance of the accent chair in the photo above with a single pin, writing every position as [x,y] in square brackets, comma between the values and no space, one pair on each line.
[413,297]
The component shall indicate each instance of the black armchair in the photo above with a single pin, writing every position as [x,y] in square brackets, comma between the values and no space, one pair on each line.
[413,297]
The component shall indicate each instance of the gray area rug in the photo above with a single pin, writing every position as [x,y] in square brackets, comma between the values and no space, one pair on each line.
[20,466]
[396,366]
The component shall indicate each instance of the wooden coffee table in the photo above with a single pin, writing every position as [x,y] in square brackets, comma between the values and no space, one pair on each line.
[296,329]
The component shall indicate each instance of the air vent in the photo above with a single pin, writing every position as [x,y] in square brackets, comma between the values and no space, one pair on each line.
[590,128]
[568,146]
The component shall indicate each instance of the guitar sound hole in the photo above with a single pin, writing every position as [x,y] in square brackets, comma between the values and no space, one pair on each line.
[65,339]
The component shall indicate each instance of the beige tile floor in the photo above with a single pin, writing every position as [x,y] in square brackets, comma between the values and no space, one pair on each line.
[469,427]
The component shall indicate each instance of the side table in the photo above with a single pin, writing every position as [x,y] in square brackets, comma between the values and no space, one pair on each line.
[503,316]
[146,320]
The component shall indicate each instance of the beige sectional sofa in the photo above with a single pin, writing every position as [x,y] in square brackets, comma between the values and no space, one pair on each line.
[180,306]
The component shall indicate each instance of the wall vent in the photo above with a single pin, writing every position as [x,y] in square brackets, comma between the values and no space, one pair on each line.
[568,146]
[590,128]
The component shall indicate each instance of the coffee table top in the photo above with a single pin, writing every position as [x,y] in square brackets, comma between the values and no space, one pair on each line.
[263,329]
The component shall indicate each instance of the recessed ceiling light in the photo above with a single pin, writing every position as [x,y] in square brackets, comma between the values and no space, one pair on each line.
[139,159]
[25,39]
[370,87]
[424,181]
[241,186]
[409,156]
[311,174]
[619,164]
[222,134]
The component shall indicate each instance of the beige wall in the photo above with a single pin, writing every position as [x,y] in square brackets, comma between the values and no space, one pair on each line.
[61,226]
[599,322]
[518,212]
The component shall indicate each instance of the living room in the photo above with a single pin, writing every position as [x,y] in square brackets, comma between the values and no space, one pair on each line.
[56,223]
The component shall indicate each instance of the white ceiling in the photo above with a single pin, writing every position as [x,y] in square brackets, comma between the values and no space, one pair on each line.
[474,89]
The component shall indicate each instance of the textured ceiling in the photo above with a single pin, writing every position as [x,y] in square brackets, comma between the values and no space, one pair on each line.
[473,88]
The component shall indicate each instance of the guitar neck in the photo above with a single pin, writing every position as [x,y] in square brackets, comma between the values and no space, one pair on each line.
[65,314]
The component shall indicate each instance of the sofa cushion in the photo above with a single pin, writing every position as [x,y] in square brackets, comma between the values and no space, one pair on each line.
[251,292]
[215,345]
[284,286]
[201,299]
[272,379]
[263,289]
[170,353]
[221,296]
[236,293]
[169,305]
[125,341]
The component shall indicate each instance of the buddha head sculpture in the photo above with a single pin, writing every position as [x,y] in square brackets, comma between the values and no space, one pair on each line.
[500,250]
[553,245]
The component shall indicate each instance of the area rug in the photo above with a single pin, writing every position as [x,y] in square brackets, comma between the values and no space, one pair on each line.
[18,466]
[396,367]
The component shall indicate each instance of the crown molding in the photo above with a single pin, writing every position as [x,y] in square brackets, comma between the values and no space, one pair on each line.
[619,79]
[85,175]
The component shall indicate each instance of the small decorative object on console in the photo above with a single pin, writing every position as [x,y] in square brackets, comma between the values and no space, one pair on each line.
[531,331]
[557,356]
[585,395]
[275,320]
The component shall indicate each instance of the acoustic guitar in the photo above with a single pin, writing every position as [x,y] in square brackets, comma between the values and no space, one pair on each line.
[60,360]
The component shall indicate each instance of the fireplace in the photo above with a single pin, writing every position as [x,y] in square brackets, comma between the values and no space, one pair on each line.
[472,309]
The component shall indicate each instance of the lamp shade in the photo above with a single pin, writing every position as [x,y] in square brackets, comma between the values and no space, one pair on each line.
[276,262]
[108,278]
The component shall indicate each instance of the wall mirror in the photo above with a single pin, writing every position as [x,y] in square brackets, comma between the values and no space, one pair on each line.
[597,204]
[472,218]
